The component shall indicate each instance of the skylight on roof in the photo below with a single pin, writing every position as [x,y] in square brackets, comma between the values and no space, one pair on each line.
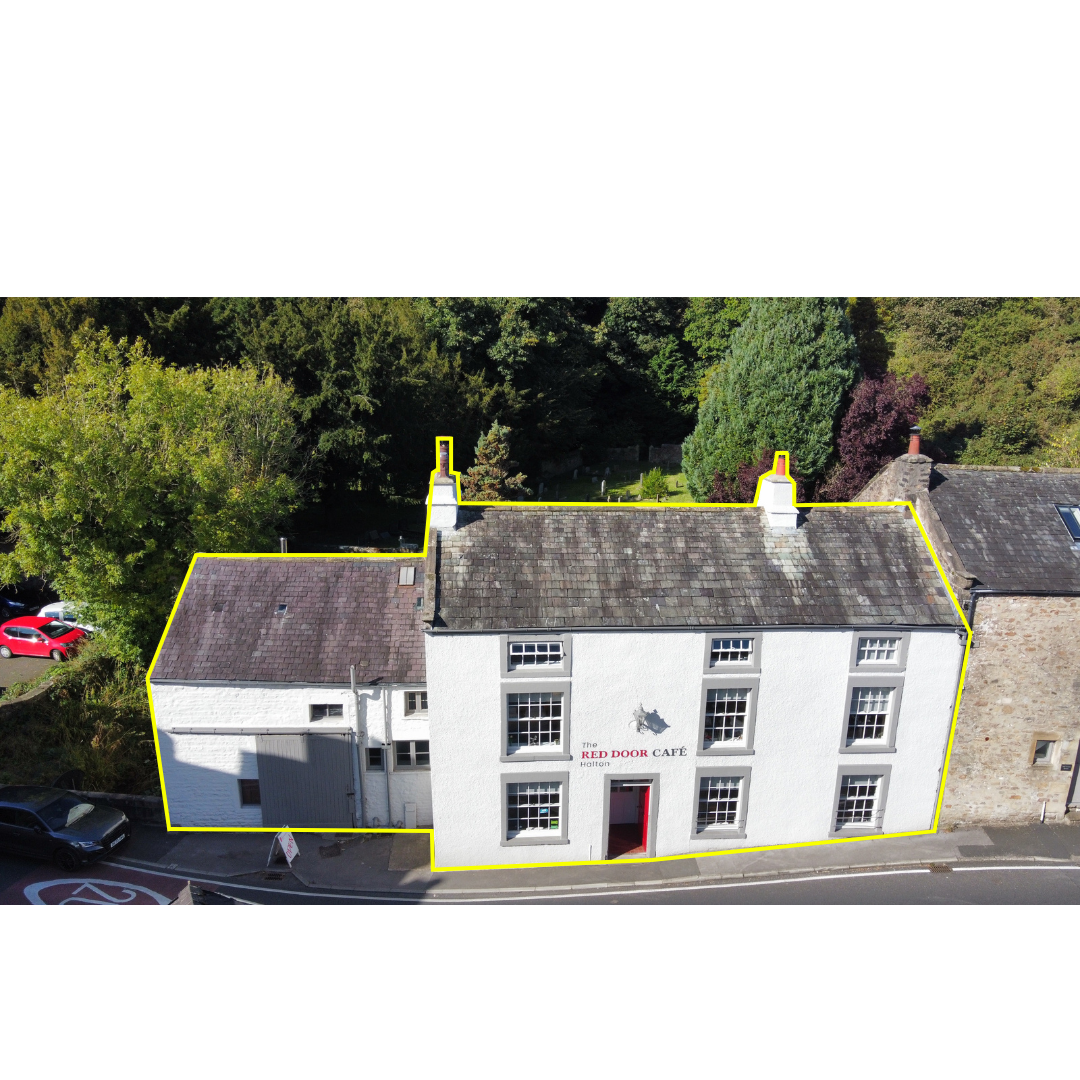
[281,609]
[1071,516]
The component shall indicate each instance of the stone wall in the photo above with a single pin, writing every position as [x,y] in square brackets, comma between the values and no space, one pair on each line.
[558,466]
[1023,684]
[666,454]
[622,453]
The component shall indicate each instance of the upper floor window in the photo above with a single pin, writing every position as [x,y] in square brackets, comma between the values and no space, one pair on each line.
[731,650]
[535,653]
[738,651]
[534,721]
[415,701]
[725,715]
[878,650]
[868,718]
[326,712]
[527,656]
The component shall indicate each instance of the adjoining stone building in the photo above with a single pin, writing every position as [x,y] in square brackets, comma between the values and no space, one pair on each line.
[1009,541]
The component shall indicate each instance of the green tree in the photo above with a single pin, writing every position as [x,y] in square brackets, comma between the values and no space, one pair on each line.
[540,351]
[112,480]
[489,480]
[710,323]
[654,484]
[1004,375]
[792,362]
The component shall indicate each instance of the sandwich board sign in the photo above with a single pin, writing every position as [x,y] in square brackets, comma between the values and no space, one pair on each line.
[285,843]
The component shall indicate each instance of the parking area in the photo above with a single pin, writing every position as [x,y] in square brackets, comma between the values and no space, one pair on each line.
[20,669]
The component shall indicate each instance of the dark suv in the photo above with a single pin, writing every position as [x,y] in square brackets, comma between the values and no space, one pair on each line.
[48,823]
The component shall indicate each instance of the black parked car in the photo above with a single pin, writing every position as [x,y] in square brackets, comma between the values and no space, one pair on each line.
[48,823]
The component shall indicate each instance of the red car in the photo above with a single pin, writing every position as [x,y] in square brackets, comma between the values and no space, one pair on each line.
[32,635]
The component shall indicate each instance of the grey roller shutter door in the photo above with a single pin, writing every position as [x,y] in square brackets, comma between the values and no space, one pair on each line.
[305,781]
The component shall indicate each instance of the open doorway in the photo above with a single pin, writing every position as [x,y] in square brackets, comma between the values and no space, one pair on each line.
[628,818]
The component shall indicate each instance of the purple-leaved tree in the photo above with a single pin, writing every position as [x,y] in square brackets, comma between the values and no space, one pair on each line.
[874,430]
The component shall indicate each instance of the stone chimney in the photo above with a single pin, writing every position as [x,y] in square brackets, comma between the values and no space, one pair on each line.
[776,496]
[901,480]
[444,504]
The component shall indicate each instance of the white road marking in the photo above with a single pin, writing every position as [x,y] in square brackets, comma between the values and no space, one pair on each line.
[88,892]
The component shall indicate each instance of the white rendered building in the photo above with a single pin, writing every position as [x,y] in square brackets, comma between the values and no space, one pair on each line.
[653,681]
[603,681]
[290,690]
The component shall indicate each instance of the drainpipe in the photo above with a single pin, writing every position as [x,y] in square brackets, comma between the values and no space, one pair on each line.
[359,743]
[388,753]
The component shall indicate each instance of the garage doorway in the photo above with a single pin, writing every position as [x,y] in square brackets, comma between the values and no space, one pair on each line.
[628,818]
[306,781]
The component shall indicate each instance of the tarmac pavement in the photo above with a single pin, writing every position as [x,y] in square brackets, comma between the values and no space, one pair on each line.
[396,865]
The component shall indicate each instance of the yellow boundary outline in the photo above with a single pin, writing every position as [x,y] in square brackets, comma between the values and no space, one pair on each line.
[705,507]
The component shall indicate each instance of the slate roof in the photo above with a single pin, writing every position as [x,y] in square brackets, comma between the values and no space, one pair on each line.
[341,611]
[555,568]
[1004,527]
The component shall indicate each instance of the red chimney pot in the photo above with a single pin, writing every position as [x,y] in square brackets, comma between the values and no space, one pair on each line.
[444,459]
[913,444]
[781,465]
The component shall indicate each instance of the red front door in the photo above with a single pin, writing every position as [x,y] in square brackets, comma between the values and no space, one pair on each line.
[643,814]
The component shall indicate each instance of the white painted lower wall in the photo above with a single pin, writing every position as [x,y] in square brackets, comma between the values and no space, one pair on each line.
[201,768]
[801,718]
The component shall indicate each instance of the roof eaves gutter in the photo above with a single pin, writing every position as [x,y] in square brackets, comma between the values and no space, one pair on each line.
[703,627]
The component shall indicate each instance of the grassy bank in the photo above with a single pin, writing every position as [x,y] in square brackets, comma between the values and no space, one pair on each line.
[94,718]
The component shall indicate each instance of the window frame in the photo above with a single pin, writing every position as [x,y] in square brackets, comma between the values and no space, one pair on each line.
[534,687]
[563,836]
[732,682]
[422,711]
[1053,759]
[240,782]
[888,744]
[381,767]
[884,771]
[412,766]
[721,832]
[312,706]
[878,666]
[542,672]
[737,667]
[408,573]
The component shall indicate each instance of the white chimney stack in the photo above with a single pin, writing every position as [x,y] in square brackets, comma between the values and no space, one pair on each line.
[776,495]
[444,505]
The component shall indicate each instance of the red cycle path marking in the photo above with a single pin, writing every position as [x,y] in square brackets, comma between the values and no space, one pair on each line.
[92,885]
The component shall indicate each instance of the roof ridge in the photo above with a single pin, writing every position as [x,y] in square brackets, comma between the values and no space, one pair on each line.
[1007,468]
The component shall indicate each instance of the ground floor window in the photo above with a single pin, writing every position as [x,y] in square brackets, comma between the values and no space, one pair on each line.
[533,807]
[718,801]
[412,754]
[858,800]
[249,793]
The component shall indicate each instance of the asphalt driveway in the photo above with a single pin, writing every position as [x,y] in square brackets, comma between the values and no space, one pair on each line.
[21,669]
